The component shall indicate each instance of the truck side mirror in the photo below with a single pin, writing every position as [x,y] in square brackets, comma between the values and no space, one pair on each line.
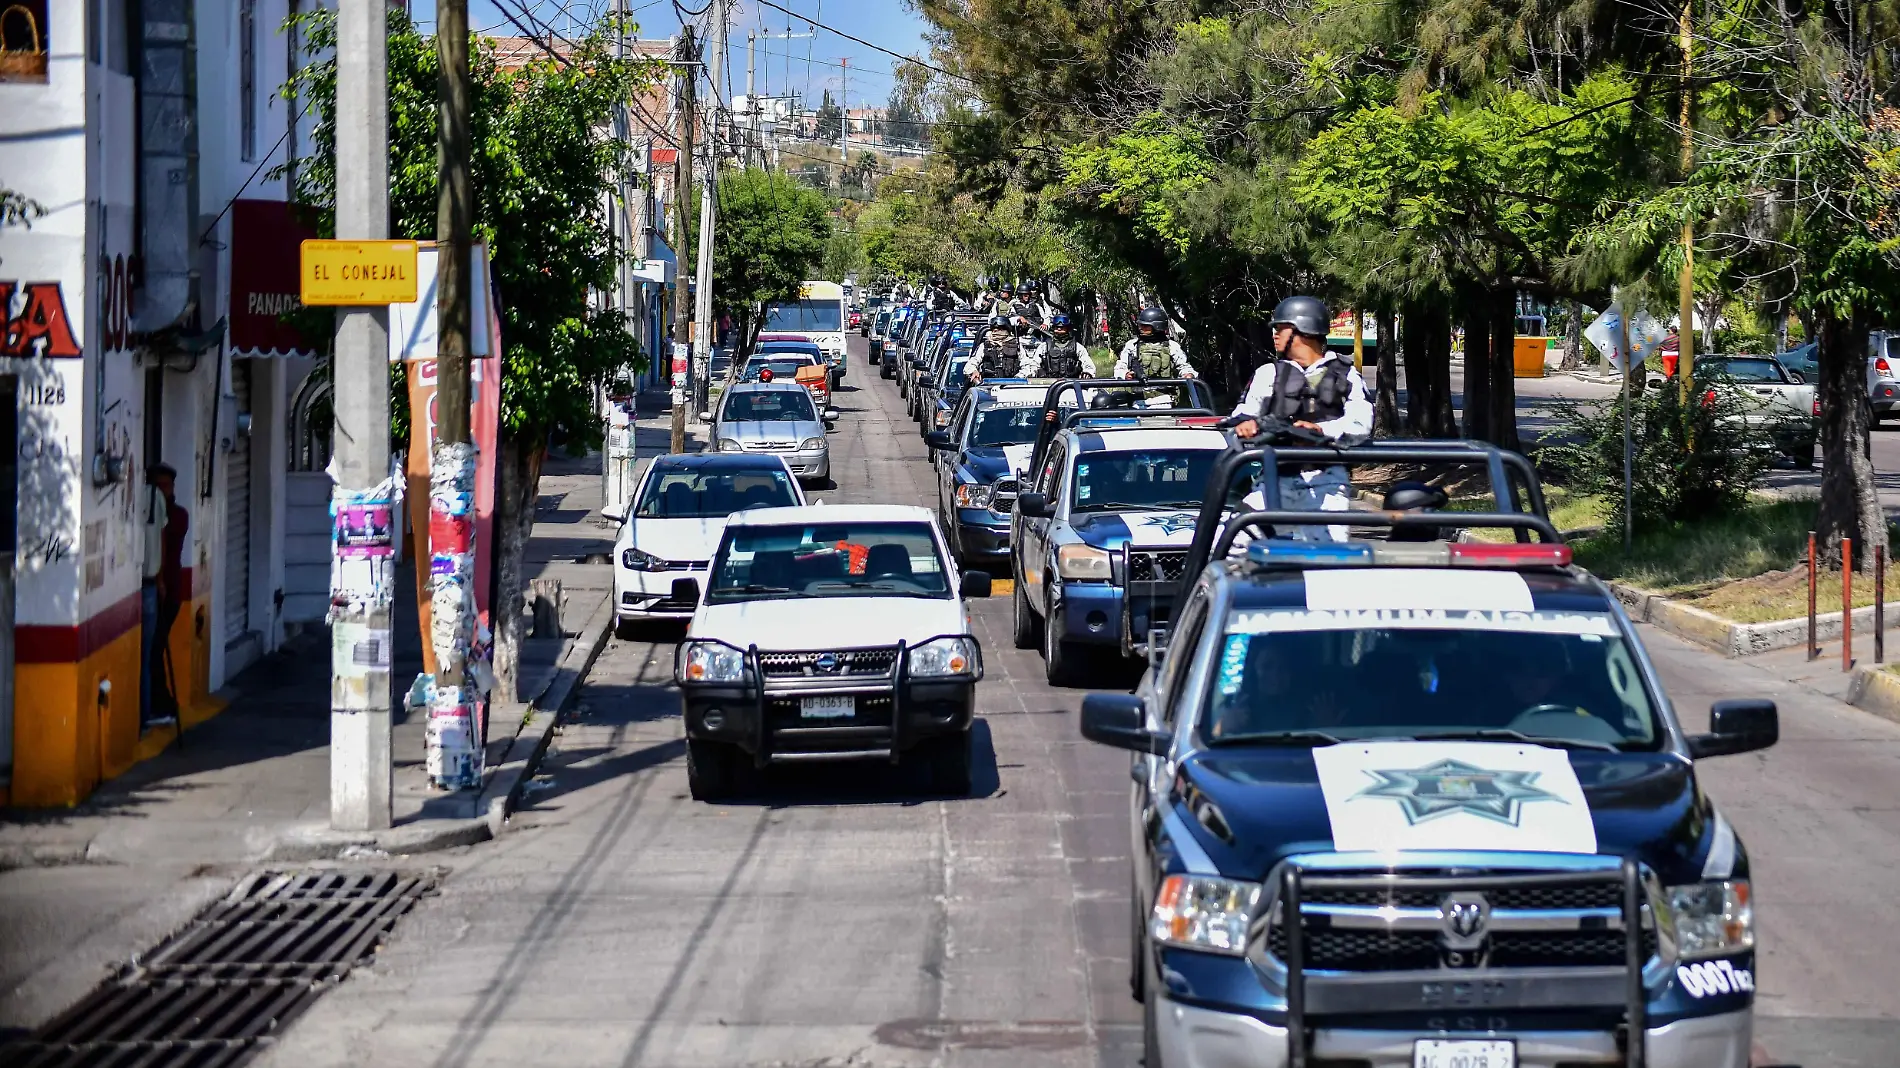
[1737,726]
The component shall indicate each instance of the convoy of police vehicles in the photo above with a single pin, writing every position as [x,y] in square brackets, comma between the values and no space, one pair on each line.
[1406,789]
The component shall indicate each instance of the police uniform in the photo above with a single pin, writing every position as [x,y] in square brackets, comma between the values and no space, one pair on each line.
[1331,395]
[1065,359]
[1157,359]
[1000,361]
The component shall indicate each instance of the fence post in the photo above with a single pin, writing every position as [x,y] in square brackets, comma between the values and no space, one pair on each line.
[1847,604]
[1814,649]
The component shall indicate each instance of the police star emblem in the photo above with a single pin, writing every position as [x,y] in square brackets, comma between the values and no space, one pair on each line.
[1171,524]
[1450,786]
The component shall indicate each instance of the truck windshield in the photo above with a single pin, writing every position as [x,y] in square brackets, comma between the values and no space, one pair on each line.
[782,367]
[758,563]
[1559,678]
[1744,370]
[1006,426]
[810,314]
[699,494]
[1141,478]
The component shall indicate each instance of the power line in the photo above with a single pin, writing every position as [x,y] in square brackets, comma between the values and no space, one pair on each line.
[862,41]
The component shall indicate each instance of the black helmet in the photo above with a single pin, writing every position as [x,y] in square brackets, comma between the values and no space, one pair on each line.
[1152,316]
[1000,322]
[1306,315]
[1005,287]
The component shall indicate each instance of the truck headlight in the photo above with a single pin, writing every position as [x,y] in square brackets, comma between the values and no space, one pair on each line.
[729,445]
[811,444]
[1713,919]
[1206,913]
[636,560]
[973,495]
[712,662]
[942,656]
[1083,562]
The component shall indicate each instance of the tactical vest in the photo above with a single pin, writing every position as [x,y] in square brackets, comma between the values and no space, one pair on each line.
[1294,398]
[1062,359]
[1155,359]
[1002,361]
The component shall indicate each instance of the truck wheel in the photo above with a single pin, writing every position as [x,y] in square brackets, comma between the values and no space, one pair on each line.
[1028,627]
[1058,656]
[711,769]
[884,369]
[950,765]
[1137,948]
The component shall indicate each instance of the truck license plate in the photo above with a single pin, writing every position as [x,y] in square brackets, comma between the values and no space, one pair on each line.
[1436,1053]
[828,707]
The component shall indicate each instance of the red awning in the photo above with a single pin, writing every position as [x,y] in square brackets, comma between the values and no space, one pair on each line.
[266,244]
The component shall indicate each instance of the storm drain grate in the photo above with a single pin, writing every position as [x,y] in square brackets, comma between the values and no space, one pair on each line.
[232,979]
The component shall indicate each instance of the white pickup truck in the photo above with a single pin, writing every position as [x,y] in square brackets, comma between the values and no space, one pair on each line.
[830,634]
[1774,401]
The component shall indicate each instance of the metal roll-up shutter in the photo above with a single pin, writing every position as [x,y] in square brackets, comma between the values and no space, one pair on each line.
[237,515]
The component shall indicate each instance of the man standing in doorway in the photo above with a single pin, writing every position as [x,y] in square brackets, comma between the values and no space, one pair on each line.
[165,524]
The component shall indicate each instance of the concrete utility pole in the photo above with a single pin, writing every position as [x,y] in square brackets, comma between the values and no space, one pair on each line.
[360,767]
[682,327]
[708,219]
[751,95]
[454,222]
[844,124]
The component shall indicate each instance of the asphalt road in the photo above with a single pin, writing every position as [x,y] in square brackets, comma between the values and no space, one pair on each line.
[832,922]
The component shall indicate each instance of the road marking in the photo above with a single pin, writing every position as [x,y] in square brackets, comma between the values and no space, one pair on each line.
[999,587]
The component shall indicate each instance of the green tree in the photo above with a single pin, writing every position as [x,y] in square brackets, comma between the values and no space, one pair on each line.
[544,167]
[773,232]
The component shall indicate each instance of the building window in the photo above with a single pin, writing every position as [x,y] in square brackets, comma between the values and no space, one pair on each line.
[23,39]
[247,77]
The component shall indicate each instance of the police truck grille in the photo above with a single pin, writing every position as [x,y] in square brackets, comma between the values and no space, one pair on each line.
[1156,566]
[1527,926]
[854,663]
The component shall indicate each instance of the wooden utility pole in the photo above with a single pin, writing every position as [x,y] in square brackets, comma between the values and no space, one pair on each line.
[454,223]
[1685,297]
[684,113]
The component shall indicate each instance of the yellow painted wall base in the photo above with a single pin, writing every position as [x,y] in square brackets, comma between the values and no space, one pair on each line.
[70,734]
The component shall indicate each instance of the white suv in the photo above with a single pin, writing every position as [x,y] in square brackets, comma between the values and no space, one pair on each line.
[831,633]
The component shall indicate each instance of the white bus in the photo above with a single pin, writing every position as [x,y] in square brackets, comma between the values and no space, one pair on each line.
[818,313]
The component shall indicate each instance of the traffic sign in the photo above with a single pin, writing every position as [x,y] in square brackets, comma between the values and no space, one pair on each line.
[358,272]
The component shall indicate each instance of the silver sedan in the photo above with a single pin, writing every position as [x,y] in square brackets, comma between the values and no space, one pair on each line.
[776,418]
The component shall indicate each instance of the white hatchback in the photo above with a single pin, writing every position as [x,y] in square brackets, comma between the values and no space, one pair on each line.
[678,515]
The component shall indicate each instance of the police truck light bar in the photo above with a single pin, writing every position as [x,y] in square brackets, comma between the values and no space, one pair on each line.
[1279,552]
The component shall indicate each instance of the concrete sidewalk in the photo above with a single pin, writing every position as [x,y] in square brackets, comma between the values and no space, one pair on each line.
[85,888]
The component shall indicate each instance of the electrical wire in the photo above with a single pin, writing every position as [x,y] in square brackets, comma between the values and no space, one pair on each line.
[859,40]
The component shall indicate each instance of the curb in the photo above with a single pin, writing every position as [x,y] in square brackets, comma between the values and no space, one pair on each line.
[1875,690]
[1728,637]
[503,793]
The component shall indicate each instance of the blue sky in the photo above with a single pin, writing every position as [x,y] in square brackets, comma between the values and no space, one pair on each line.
[805,64]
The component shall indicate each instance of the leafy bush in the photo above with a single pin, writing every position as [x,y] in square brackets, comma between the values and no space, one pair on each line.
[1671,482]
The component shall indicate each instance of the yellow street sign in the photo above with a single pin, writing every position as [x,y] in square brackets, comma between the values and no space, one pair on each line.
[359,272]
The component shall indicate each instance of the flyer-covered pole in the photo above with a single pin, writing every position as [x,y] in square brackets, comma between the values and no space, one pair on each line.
[452,737]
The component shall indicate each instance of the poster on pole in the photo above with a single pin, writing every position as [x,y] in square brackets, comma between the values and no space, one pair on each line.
[412,340]
[1646,335]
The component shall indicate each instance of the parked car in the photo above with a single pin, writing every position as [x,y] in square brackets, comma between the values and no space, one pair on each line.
[831,634]
[778,418]
[1772,399]
[678,515]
